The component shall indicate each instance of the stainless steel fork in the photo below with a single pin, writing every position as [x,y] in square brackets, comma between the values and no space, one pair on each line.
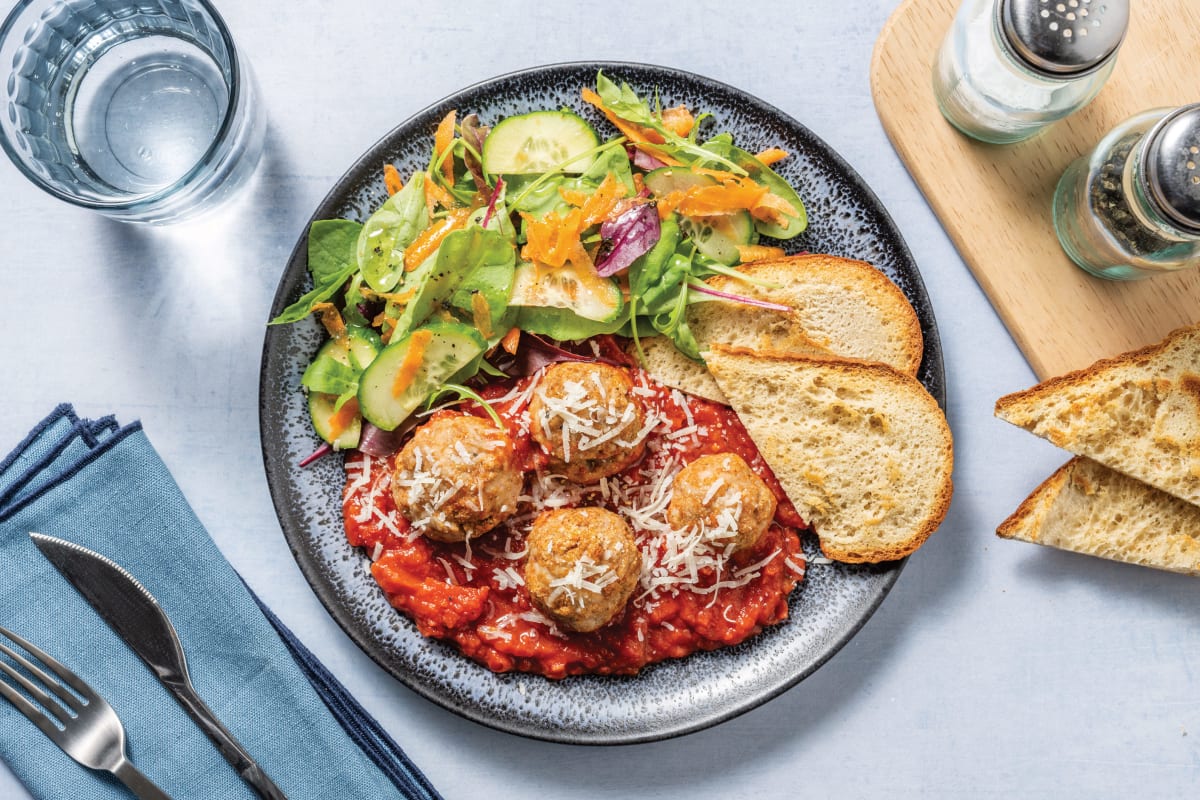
[86,729]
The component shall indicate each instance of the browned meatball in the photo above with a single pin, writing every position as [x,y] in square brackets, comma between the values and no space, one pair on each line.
[587,418]
[723,496]
[455,479]
[583,565]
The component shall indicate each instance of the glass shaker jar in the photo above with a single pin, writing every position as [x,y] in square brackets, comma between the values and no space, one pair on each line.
[1131,208]
[1007,68]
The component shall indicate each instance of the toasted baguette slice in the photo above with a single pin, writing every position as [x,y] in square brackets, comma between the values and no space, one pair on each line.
[839,306]
[861,449]
[1088,508]
[1137,413]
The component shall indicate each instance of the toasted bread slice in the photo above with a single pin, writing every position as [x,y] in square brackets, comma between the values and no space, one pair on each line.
[861,449]
[1137,413]
[839,306]
[1087,508]
[672,368]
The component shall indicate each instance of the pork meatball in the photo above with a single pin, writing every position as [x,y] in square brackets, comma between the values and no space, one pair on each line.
[722,496]
[582,566]
[456,479]
[587,418]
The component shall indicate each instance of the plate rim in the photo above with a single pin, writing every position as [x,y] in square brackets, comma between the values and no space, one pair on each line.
[293,535]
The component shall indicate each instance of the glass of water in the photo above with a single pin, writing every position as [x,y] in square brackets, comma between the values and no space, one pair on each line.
[138,109]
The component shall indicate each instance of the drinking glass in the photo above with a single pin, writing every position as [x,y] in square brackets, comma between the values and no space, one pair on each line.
[142,110]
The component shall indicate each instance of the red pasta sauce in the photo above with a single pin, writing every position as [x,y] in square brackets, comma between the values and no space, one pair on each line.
[473,593]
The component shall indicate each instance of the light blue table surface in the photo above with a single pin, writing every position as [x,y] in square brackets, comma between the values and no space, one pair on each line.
[993,668]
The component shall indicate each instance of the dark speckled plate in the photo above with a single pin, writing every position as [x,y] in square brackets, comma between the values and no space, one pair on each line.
[669,699]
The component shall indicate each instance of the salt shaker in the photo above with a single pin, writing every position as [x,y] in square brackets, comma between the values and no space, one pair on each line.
[1007,68]
[1131,208]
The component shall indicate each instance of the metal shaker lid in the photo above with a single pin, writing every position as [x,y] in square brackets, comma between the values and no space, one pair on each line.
[1062,38]
[1170,171]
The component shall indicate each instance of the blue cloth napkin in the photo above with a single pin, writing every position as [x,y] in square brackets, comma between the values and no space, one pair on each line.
[103,486]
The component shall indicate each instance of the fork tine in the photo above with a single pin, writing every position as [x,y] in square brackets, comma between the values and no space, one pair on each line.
[70,678]
[31,711]
[49,682]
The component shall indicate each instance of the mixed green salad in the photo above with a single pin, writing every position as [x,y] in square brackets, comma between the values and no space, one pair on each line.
[527,233]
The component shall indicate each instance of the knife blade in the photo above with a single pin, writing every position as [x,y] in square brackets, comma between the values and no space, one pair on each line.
[135,615]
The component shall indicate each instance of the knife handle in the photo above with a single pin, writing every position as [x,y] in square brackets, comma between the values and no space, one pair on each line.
[229,747]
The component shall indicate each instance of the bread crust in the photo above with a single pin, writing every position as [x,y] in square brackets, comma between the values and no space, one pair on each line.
[822,290]
[1084,507]
[845,539]
[1137,412]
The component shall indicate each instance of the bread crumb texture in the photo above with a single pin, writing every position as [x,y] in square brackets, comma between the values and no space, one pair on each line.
[1087,508]
[861,449]
[1137,413]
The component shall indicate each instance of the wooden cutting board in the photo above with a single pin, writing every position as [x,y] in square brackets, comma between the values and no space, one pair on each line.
[995,201]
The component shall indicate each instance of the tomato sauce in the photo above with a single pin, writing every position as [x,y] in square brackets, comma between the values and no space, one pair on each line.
[473,593]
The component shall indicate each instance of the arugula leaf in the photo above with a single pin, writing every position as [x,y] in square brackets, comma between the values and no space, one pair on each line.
[614,161]
[331,260]
[623,101]
[387,232]
[654,275]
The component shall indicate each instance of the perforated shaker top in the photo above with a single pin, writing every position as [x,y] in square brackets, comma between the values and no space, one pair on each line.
[1062,38]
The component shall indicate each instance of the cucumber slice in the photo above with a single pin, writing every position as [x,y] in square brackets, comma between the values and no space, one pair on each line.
[355,350]
[321,409]
[718,236]
[541,141]
[451,347]
[715,236]
[577,289]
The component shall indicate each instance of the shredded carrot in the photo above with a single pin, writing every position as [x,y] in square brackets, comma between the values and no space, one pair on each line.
[632,131]
[771,155]
[391,179]
[732,195]
[679,120]
[436,196]
[554,239]
[481,314]
[442,140]
[511,340]
[399,298]
[341,419]
[413,359]
[758,252]
[598,205]
[331,318]
[428,240]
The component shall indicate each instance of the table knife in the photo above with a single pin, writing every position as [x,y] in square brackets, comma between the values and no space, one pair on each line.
[131,611]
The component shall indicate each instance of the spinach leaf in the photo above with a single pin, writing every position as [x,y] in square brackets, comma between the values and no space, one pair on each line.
[439,277]
[331,260]
[489,272]
[390,230]
[330,376]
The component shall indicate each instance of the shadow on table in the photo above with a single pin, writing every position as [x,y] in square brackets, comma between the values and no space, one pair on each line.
[1163,594]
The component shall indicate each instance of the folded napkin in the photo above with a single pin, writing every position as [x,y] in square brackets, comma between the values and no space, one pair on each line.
[103,486]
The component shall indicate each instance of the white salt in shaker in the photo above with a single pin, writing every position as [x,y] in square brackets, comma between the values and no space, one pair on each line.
[1007,68]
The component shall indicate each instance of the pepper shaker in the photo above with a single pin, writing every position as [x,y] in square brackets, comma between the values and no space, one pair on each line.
[1131,208]
[1007,68]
